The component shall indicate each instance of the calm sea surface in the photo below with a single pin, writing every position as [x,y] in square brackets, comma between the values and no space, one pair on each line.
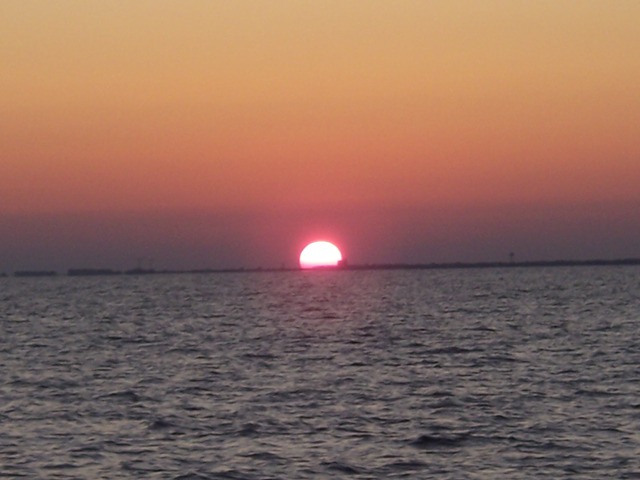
[454,374]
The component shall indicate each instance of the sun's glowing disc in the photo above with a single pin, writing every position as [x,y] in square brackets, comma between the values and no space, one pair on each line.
[320,254]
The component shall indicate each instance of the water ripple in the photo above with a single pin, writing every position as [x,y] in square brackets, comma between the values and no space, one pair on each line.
[418,374]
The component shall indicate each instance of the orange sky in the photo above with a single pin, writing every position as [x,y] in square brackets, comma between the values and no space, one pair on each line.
[293,106]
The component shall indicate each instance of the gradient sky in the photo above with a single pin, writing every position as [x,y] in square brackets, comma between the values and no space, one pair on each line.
[202,133]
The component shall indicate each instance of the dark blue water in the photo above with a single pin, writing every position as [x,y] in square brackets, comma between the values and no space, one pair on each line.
[479,374]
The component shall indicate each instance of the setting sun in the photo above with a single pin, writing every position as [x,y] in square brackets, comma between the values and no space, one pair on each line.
[320,254]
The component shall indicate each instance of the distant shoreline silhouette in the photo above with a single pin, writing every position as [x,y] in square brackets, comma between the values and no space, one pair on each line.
[86,272]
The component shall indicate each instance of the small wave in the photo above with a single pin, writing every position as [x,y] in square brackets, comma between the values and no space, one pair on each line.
[342,468]
[265,456]
[184,350]
[193,389]
[446,403]
[432,441]
[87,449]
[497,359]
[249,430]
[405,466]
[59,466]
[441,393]
[259,356]
[114,338]
[230,475]
[192,476]
[160,424]
[128,395]
[480,328]
[597,393]
[450,350]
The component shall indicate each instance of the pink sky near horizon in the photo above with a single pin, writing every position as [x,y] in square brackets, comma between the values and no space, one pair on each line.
[234,132]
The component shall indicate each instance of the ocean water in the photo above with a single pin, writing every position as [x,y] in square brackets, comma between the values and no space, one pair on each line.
[448,374]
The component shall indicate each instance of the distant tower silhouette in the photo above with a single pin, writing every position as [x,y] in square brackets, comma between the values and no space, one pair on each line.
[511,255]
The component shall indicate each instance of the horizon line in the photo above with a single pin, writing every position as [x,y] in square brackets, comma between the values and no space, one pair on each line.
[79,272]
